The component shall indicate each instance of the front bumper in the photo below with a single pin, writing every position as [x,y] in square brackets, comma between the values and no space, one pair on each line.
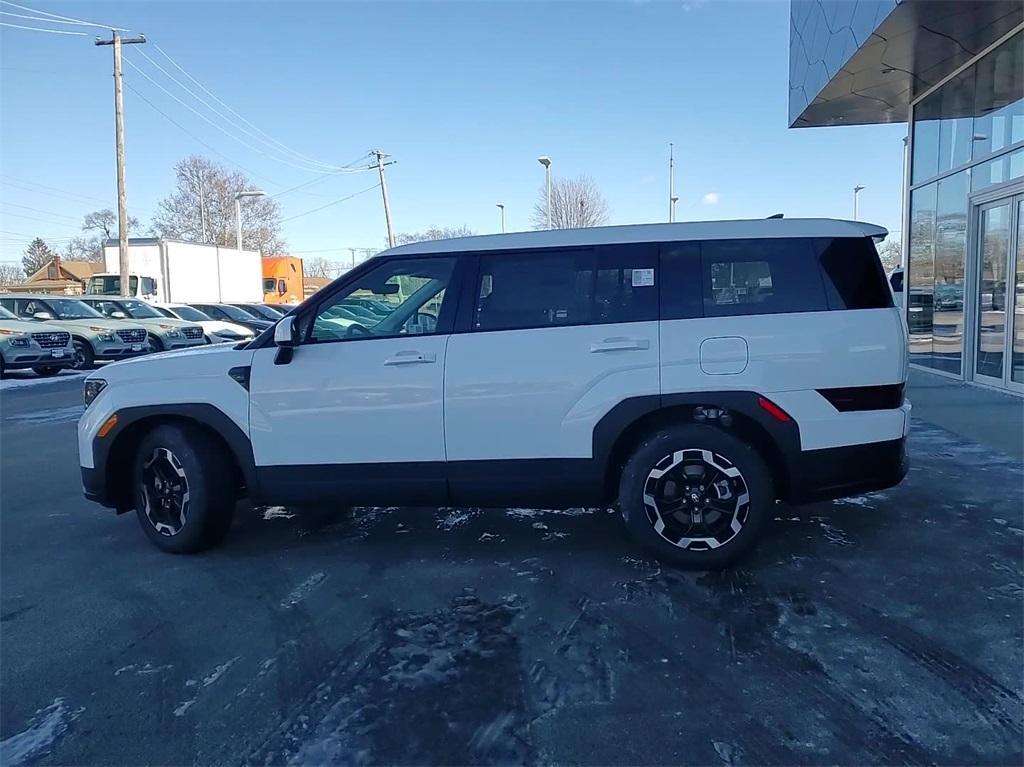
[120,351]
[93,486]
[20,359]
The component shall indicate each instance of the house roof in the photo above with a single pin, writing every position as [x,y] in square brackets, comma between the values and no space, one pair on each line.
[75,271]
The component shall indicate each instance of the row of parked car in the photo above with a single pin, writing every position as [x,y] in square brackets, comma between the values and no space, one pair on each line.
[49,333]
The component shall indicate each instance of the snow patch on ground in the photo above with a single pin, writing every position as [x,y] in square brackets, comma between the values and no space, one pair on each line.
[304,589]
[19,379]
[453,519]
[44,728]
[142,670]
[276,512]
[208,680]
[51,415]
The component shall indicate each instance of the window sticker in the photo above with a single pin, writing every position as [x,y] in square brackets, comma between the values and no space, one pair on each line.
[643,278]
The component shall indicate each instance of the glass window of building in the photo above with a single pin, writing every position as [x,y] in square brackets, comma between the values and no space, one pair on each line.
[925,161]
[999,98]
[950,255]
[999,170]
[956,128]
[921,280]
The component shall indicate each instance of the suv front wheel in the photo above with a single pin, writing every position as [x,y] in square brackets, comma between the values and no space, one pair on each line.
[696,495]
[182,497]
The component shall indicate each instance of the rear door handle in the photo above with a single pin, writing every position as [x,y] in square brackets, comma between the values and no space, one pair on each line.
[411,358]
[620,345]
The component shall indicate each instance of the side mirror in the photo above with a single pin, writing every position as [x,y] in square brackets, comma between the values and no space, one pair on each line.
[284,337]
[118,315]
[284,332]
[42,316]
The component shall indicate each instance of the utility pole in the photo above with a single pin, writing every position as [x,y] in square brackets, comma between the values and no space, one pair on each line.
[501,207]
[122,200]
[856,198]
[671,185]
[384,192]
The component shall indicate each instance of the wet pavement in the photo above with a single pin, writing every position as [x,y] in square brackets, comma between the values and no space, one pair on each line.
[886,628]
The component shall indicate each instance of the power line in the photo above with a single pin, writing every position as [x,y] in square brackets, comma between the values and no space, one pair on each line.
[38,210]
[236,114]
[206,119]
[27,185]
[318,167]
[37,29]
[59,18]
[343,199]
[189,133]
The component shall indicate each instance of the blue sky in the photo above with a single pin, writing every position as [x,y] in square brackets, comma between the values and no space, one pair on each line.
[465,96]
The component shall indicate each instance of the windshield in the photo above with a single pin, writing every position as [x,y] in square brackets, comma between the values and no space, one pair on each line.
[263,312]
[72,309]
[269,285]
[109,285]
[251,311]
[139,310]
[7,315]
[190,314]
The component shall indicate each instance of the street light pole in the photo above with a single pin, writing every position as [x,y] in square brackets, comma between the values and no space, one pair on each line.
[856,197]
[238,212]
[671,185]
[501,207]
[546,162]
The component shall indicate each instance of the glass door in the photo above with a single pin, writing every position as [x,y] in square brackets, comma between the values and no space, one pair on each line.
[999,296]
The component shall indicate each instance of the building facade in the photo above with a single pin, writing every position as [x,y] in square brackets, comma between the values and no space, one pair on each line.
[954,72]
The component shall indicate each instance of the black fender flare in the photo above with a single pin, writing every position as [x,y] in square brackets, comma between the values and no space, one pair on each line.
[108,460]
[636,415]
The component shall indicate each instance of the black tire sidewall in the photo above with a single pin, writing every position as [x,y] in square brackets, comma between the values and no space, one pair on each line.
[687,436]
[89,357]
[211,504]
[155,343]
[45,371]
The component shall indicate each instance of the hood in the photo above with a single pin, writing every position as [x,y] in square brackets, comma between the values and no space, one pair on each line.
[160,323]
[191,363]
[216,326]
[26,326]
[98,322]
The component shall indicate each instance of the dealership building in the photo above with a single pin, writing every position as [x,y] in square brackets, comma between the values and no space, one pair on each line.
[953,70]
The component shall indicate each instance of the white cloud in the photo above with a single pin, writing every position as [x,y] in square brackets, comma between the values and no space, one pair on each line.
[711,198]
[692,5]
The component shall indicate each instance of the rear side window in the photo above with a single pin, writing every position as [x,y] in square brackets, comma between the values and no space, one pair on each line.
[625,288]
[535,290]
[763,276]
[853,275]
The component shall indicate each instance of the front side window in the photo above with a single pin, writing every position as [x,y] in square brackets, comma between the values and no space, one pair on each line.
[764,276]
[412,292]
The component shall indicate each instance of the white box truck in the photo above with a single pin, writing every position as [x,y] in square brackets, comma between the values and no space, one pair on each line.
[173,271]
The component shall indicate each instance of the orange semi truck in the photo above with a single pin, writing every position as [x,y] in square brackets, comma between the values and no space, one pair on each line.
[282,280]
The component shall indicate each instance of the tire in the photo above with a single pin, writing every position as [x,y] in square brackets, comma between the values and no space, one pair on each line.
[200,505]
[84,357]
[155,344]
[45,371]
[655,479]
[3,366]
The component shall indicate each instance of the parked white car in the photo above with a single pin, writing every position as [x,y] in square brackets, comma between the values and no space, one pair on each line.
[216,331]
[692,374]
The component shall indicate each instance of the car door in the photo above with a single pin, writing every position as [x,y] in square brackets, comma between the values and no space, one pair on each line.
[556,339]
[357,412]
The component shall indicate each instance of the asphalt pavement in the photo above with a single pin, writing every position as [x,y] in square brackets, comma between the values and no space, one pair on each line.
[885,628]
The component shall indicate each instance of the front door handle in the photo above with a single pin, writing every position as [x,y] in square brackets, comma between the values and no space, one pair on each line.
[411,358]
[620,345]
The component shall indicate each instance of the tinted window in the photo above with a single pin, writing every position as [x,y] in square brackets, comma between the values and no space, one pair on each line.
[854,278]
[535,290]
[680,281]
[625,287]
[769,276]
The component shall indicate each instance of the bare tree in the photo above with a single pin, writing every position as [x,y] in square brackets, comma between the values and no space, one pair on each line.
[37,255]
[575,203]
[11,274]
[889,253]
[97,227]
[434,233]
[202,209]
[320,267]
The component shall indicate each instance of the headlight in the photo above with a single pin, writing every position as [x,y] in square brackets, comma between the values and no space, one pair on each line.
[106,336]
[173,334]
[91,389]
[16,338]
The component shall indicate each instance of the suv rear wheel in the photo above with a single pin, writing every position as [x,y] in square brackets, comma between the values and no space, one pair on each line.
[182,497]
[696,495]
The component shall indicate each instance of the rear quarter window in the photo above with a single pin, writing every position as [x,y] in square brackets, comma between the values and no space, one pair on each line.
[760,276]
[853,274]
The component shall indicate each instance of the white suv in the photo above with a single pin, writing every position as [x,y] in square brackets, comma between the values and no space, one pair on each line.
[692,373]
